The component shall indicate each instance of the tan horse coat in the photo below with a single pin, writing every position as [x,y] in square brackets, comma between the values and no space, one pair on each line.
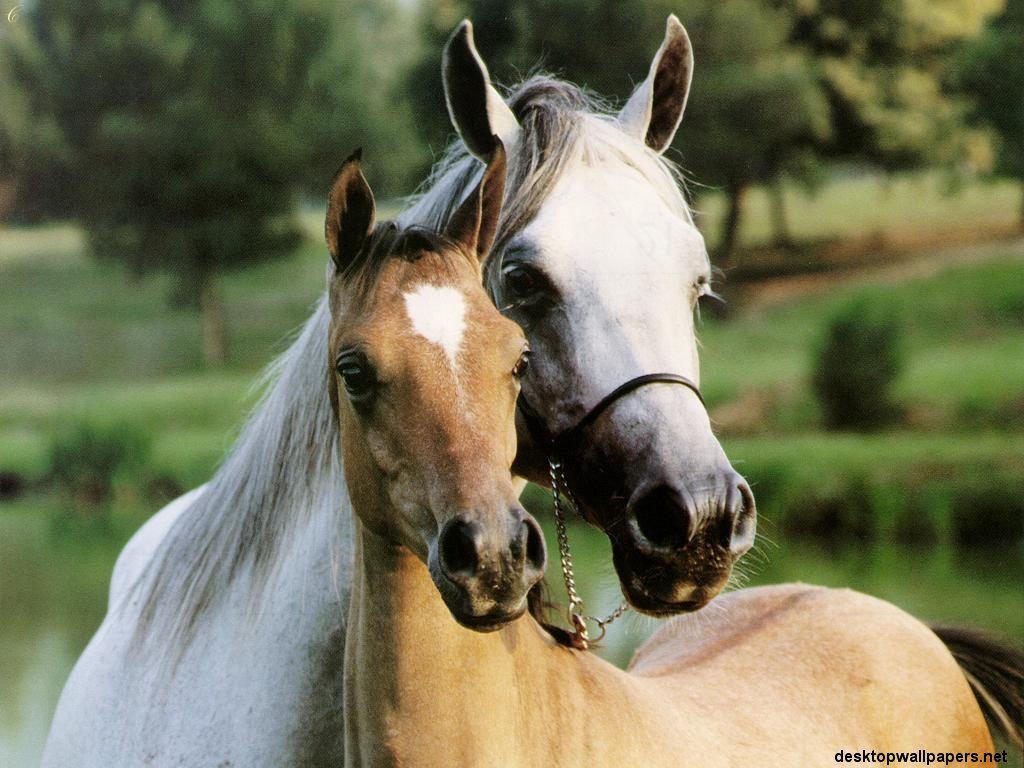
[777,676]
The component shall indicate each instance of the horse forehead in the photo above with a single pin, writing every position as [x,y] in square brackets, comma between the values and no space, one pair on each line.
[437,313]
[612,220]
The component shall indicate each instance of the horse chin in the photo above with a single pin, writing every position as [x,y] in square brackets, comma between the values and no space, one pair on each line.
[642,601]
[652,588]
[469,613]
[489,622]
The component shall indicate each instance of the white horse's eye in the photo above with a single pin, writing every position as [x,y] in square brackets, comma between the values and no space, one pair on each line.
[701,288]
[521,281]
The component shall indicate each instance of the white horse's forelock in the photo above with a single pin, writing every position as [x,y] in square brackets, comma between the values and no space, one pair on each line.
[285,464]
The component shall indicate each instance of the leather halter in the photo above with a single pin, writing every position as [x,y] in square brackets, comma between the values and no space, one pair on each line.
[557,443]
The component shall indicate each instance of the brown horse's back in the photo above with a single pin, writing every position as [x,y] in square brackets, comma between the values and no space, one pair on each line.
[814,666]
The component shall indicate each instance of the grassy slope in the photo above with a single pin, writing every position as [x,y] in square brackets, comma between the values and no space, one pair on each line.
[961,331]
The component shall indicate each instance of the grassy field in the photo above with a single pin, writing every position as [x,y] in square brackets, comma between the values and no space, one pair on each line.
[960,329]
[81,340]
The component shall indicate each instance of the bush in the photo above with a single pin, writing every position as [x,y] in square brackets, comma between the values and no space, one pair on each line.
[87,458]
[856,367]
[985,514]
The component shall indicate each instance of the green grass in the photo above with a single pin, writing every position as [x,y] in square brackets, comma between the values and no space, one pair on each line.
[961,329]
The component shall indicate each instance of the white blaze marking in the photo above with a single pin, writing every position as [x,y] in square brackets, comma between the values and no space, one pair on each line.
[438,314]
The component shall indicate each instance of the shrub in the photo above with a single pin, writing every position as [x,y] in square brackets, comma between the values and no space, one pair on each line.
[87,457]
[855,368]
[988,514]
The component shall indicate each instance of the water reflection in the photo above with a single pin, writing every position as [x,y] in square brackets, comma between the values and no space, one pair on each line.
[53,590]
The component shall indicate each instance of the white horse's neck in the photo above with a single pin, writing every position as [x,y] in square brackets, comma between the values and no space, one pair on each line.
[421,691]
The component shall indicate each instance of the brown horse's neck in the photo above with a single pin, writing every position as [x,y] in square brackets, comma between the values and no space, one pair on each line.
[420,690]
[784,676]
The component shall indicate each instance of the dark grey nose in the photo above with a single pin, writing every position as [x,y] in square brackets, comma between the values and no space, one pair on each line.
[664,517]
[498,562]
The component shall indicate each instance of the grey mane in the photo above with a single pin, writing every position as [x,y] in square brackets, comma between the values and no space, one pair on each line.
[285,464]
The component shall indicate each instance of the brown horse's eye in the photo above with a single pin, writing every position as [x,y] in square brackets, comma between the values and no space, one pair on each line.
[358,376]
[521,364]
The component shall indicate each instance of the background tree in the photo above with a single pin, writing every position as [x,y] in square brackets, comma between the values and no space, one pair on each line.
[180,134]
[992,72]
[13,132]
[756,110]
[356,97]
[885,67]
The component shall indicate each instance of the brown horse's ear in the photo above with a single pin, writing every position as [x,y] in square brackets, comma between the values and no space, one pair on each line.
[475,223]
[654,110]
[350,212]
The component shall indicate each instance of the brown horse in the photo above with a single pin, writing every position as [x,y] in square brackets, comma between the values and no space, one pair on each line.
[424,382]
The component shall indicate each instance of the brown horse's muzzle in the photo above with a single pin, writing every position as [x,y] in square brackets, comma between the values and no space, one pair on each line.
[484,569]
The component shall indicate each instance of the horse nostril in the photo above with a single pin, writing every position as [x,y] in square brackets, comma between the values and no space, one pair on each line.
[745,525]
[662,519]
[458,548]
[737,521]
[536,552]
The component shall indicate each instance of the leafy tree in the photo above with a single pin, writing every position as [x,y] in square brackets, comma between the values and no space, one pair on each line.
[357,96]
[756,109]
[180,133]
[13,130]
[992,72]
[885,67]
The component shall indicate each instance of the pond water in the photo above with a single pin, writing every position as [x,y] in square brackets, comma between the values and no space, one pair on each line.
[53,589]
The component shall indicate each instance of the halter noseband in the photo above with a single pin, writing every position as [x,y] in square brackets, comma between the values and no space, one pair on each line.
[556,444]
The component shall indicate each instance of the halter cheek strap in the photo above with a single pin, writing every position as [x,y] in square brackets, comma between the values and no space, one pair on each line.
[552,443]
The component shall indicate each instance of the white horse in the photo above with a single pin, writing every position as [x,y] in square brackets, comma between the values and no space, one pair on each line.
[224,637]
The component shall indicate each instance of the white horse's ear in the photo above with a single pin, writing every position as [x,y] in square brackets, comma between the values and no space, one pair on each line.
[476,108]
[654,110]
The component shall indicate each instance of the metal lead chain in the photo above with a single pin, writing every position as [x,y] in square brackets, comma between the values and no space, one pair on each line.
[574,612]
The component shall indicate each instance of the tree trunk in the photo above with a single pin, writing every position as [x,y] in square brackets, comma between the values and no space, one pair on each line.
[211,314]
[731,226]
[780,221]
